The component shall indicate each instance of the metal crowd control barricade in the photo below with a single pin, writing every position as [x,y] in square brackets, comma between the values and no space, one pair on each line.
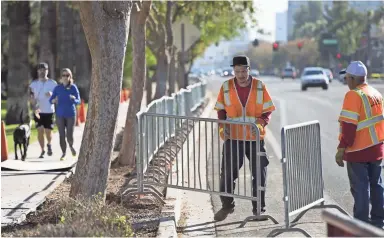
[302,173]
[181,103]
[340,225]
[200,160]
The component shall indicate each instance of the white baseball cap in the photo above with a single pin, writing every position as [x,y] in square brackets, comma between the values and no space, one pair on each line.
[357,68]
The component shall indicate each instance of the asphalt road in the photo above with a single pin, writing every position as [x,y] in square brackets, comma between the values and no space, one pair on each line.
[295,106]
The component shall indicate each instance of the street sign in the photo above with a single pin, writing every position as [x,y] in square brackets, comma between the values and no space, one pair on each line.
[330,41]
[191,33]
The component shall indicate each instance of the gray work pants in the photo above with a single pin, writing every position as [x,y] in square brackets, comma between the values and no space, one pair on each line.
[66,126]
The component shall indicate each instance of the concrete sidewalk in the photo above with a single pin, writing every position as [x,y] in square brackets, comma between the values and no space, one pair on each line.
[23,191]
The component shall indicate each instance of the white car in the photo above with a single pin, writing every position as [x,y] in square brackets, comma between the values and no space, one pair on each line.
[314,77]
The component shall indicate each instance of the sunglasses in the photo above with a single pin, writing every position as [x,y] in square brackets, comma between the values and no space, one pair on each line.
[65,75]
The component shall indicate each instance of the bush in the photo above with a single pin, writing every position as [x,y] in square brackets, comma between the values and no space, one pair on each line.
[87,218]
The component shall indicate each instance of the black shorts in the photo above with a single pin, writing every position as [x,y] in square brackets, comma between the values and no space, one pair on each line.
[46,120]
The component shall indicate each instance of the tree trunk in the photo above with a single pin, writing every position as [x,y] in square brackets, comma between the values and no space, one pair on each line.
[169,49]
[148,88]
[106,27]
[66,53]
[173,73]
[127,152]
[161,73]
[48,36]
[18,70]
[82,69]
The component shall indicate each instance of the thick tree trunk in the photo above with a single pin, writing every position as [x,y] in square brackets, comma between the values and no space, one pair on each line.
[127,152]
[82,69]
[47,50]
[66,53]
[106,26]
[18,70]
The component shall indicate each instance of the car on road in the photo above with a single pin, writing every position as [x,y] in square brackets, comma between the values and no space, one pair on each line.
[254,72]
[227,72]
[329,74]
[289,72]
[314,77]
[341,76]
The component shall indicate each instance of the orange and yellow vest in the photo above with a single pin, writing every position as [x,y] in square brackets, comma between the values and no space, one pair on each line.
[363,107]
[259,101]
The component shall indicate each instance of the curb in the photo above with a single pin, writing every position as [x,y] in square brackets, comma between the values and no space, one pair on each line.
[171,210]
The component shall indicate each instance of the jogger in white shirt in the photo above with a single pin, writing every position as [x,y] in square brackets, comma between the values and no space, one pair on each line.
[41,91]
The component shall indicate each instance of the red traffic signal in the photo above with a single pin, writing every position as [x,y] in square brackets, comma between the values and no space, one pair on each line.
[338,55]
[300,45]
[275,46]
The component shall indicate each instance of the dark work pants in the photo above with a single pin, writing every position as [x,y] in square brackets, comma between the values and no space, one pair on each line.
[227,183]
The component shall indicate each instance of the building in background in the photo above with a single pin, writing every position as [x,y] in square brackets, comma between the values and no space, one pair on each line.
[220,56]
[281,27]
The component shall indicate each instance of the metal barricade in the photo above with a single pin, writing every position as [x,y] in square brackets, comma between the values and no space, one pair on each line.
[302,173]
[340,225]
[181,103]
[202,165]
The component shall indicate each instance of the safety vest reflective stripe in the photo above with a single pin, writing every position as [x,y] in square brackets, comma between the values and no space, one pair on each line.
[242,119]
[363,124]
[368,113]
[267,105]
[259,99]
[219,106]
[227,99]
[350,115]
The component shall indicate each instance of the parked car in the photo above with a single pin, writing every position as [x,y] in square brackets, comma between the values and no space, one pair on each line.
[314,77]
[329,74]
[289,72]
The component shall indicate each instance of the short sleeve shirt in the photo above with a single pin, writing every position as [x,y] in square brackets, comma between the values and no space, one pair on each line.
[39,89]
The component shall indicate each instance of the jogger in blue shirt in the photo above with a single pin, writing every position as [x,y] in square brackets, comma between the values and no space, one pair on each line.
[66,96]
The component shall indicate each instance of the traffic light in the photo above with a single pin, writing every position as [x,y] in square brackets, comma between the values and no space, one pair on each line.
[255,42]
[275,46]
[338,55]
[300,45]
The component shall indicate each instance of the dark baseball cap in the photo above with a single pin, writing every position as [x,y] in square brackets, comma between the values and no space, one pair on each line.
[241,60]
[42,65]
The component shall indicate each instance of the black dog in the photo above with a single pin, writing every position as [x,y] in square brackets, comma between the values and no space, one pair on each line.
[21,136]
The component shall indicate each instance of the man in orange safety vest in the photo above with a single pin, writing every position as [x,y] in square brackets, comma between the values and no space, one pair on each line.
[242,99]
[361,144]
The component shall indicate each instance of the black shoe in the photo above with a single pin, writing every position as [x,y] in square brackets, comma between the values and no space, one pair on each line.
[49,149]
[223,213]
[42,154]
[254,211]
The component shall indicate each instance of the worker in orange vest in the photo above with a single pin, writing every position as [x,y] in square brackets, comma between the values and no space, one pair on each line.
[242,99]
[361,144]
